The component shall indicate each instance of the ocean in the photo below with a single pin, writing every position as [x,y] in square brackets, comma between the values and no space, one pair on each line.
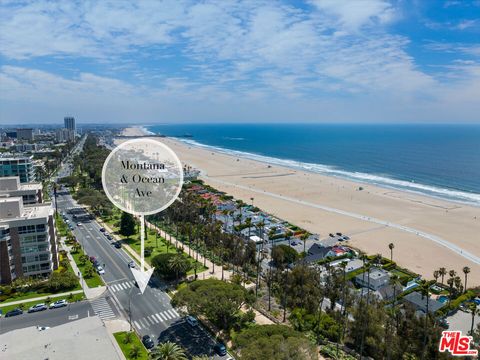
[436,160]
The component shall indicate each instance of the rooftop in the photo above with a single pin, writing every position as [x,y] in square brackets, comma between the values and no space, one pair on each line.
[68,341]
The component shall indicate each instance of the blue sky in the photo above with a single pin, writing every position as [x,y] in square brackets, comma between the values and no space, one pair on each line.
[240,61]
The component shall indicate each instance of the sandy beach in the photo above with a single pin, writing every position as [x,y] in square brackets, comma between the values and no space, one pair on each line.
[428,233]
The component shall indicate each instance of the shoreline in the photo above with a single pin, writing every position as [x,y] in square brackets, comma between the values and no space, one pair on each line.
[427,232]
[401,185]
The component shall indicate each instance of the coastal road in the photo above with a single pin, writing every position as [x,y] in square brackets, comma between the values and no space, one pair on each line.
[151,312]
[436,239]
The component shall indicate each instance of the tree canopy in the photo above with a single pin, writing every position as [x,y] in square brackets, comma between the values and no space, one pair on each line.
[219,301]
[278,342]
[127,224]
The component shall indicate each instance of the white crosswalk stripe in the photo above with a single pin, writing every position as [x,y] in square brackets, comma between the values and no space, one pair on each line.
[102,308]
[121,286]
[137,325]
[167,315]
[164,316]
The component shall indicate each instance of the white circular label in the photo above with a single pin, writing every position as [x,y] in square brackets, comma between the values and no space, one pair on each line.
[142,176]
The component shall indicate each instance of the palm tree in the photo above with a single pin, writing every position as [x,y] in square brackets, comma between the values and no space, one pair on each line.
[391,246]
[450,282]
[367,270]
[458,284]
[343,266]
[424,289]
[168,351]
[304,238]
[178,264]
[466,270]
[436,275]
[442,271]
[248,222]
[473,309]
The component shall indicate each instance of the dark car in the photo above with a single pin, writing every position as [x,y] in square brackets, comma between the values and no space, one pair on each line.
[118,245]
[148,342]
[14,312]
[220,349]
[102,229]
[331,235]
[339,234]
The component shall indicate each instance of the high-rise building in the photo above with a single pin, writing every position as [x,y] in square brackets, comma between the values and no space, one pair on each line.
[28,246]
[18,166]
[64,135]
[24,134]
[69,122]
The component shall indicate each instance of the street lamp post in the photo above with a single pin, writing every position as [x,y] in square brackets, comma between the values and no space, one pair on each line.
[130,307]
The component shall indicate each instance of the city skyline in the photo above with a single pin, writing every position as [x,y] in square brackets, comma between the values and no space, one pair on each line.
[280,61]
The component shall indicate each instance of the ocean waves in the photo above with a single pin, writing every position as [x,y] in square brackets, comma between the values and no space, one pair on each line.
[464,197]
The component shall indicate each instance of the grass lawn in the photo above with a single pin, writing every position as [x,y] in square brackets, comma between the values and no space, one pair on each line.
[127,348]
[27,304]
[158,244]
[93,281]
[39,291]
[62,227]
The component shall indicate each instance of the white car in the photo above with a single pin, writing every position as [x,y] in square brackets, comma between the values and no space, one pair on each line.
[100,270]
[79,224]
[42,328]
[58,304]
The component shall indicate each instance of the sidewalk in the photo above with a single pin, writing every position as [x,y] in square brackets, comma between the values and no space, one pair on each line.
[203,275]
[90,293]
[207,274]
[65,294]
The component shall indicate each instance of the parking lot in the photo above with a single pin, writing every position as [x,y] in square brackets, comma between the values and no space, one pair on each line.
[195,340]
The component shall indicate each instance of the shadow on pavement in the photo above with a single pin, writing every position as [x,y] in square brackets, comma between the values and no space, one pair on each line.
[195,340]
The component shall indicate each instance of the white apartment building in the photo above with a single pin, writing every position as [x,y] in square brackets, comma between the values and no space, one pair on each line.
[28,246]
[31,193]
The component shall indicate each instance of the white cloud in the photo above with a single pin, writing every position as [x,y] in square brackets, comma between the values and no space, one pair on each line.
[354,14]
[258,55]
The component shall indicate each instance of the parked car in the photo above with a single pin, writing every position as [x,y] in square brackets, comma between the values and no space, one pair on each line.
[42,328]
[191,321]
[100,270]
[331,235]
[38,307]
[339,234]
[79,224]
[58,304]
[106,233]
[118,245]
[131,264]
[346,238]
[109,237]
[148,342]
[220,349]
[14,312]
[102,229]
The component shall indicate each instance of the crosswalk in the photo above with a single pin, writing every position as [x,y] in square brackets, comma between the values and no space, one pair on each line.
[121,286]
[163,316]
[102,308]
